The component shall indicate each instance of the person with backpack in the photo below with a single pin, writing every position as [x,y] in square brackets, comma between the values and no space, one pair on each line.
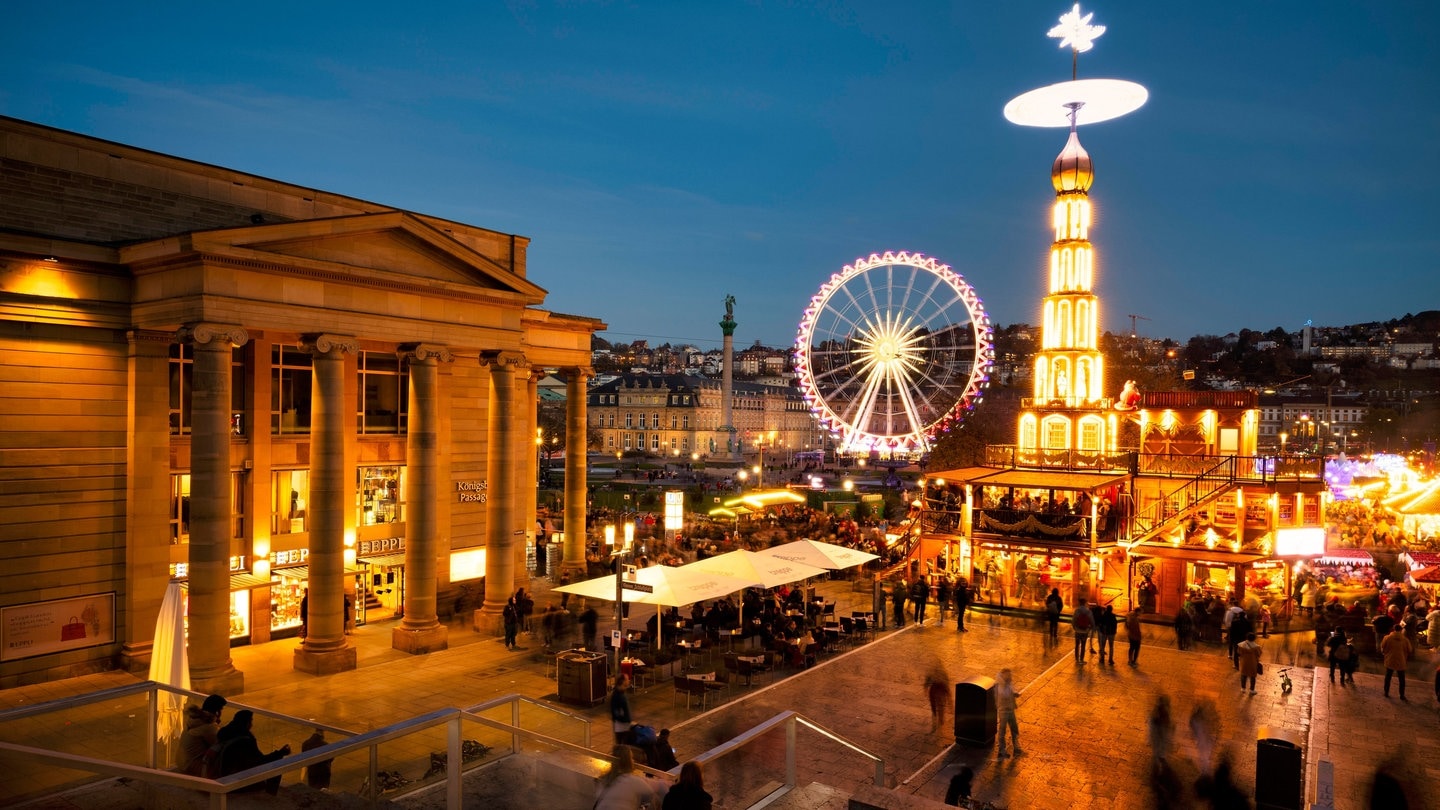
[919,595]
[1054,606]
[1082,621]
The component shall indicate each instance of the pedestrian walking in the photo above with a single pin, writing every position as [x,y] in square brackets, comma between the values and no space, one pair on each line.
[897,601]
[1204,728]
[919,595]
[589,622]
[963,597]
[1340,653]
[943,595]
[1005,699]
[1082,622]
[1054,606]
[1183,625]
[1162,730]
[510,616]
[1396,649]
[1133,634]
[620,709]
[1240,630]
[1108,626]
[1248,652]
[937,690]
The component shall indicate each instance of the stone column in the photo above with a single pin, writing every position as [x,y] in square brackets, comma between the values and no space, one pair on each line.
[727,386]
[325,649]
[576,447]
[211,669]
[147,493]
[527,467]
[421,631]
[501,521]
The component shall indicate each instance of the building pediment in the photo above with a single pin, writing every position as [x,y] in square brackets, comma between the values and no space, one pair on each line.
[395,247]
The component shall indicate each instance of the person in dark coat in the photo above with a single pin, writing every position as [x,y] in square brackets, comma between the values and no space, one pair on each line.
[240,751]
[689,793]
[1240,629]
[511,617]
[202,726]
[317,774]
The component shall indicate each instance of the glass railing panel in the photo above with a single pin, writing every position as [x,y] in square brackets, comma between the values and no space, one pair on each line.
[114,729]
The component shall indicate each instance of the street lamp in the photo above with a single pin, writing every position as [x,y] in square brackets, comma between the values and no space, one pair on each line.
[759,470]
[1283,437]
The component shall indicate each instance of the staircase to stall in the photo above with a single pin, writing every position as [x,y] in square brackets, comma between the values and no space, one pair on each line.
[1180,503]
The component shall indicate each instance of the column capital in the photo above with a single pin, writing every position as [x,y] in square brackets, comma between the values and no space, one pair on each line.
[206,333]
[505,360]
[421,352]
[583,372]
[324,343]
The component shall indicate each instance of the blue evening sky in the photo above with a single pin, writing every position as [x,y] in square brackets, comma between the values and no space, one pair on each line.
[661,155]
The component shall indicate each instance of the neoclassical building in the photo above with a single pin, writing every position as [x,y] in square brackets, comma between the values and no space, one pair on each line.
[267,392]
[680,415]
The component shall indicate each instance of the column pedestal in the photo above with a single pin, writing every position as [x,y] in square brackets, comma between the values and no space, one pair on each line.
[319,662]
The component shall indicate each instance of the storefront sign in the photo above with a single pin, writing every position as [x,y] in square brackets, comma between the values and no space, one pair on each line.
[295,556]
[473,491]
[1300,542]
[370,548]
[238,565]
[41,628]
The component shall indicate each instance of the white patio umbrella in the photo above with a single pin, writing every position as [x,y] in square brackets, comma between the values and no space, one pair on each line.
[820,555]
[765,570]
[669,586]
[170,664]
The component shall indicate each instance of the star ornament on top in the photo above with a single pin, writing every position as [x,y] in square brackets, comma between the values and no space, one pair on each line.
[1075,30]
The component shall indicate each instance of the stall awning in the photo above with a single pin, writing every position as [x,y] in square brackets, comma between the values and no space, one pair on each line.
[243,582]
[1347,556]
[384,560]
[1205,555]
[303,572]
[963,475]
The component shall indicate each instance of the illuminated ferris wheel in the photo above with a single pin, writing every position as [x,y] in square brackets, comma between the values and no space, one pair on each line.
[892,351]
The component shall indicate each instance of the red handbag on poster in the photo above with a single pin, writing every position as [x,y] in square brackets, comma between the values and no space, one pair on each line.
[74,630]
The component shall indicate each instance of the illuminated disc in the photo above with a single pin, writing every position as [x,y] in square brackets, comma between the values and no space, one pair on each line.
[1100,100]
[892,351]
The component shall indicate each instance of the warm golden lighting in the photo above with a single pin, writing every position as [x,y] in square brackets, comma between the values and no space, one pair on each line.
[45,280]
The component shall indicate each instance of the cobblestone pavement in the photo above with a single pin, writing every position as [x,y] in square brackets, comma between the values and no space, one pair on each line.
[1082,727]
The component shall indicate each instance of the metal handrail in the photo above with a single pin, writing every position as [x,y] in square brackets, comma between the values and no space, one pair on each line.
[789,720]
[219,789]
[1147,523]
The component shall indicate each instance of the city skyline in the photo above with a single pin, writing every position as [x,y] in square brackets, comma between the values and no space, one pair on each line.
[661,158]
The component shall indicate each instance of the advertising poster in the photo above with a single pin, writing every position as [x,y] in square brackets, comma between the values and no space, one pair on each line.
[42,628]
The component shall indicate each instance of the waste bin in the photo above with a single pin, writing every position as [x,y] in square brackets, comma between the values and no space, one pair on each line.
[580,677]
[1280,758]
[975,717]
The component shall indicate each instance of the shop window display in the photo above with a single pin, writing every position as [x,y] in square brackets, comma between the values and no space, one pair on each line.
[290,493]
[381,495]
[285,596]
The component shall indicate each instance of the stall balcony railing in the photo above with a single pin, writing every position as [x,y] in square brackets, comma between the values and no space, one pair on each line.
[1207,485]
[1011,456]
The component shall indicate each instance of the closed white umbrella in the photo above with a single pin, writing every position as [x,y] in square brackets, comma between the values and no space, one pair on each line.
[170,664]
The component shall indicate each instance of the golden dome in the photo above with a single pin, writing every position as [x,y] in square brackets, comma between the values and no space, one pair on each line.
[1072,170]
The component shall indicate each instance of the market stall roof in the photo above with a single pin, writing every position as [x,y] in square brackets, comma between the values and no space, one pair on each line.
[1422,558]
[1426,502]
[1428,575]
[1347,556]
[721,511]
[963,475]
[1192,554]
[760,499]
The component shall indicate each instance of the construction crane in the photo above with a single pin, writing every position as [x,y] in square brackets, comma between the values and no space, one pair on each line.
[1134,332]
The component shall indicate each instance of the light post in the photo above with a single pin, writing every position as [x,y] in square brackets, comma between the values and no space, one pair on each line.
[759,470]
[1283,437]
[742,475]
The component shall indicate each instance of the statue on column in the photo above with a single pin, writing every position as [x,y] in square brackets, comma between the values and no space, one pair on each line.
[729,307]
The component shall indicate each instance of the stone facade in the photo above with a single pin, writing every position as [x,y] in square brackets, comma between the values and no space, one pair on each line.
[173,337]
